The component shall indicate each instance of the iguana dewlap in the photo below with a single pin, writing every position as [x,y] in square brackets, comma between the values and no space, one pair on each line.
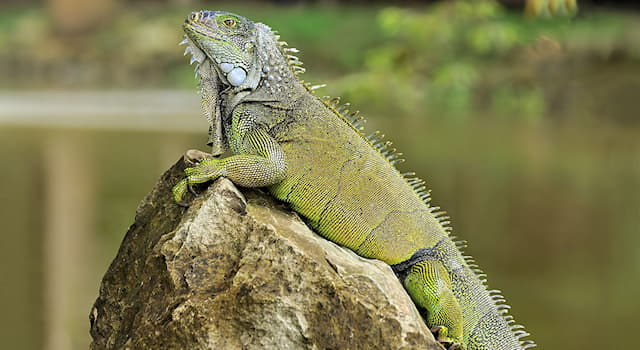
[310,153]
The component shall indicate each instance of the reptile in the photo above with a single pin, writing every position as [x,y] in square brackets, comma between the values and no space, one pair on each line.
[311,153]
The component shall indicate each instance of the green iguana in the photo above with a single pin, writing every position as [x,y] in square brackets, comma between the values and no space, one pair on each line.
[310,153]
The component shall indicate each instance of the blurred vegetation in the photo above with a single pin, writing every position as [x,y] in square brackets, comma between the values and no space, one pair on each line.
[443,61]
[464,59]
[551,8]
[139,46]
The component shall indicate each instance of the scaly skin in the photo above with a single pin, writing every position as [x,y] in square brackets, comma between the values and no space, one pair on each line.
[309,153]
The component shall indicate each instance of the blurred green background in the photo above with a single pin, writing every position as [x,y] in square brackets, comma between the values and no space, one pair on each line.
[523,118]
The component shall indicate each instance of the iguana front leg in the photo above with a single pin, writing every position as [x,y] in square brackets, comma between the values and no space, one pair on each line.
[259,160]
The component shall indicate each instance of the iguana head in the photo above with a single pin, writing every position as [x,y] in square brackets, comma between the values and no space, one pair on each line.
[244,54]
[228,40]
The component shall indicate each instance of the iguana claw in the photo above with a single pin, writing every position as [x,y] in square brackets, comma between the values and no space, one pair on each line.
[192,190]
[441,335]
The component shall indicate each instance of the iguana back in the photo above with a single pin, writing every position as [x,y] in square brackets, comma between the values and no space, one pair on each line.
[346,189]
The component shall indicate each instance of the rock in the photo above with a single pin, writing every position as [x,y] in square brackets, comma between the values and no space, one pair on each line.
[237,270]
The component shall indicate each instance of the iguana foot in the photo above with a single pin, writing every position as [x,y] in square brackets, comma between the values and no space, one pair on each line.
[441,335]
[194,157]
[191,157]
[205,170]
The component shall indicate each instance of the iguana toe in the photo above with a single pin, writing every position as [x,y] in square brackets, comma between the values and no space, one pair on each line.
[206,169]
[179,191]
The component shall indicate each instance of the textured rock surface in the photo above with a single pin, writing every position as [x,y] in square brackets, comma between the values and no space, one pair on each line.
[236,273]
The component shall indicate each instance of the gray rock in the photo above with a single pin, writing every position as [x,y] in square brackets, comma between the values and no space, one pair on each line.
[237,270]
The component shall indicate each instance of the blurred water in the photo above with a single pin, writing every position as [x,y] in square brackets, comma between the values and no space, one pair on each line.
[550,212]
[151,110]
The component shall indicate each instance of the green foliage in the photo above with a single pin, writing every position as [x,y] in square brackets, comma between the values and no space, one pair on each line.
[518,102]
[464,59]
[138,46]
[549,8]
[442,54]
[451,88]
[455,60]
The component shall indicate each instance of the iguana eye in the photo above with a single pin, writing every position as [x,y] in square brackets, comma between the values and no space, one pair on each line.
[229,22]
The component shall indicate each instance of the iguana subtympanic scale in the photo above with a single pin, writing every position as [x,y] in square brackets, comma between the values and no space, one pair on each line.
[311,153]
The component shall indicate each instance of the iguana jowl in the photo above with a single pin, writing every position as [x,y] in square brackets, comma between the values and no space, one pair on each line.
[309,152]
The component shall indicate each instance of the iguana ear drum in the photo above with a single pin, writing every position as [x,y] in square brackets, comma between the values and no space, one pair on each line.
[236,76]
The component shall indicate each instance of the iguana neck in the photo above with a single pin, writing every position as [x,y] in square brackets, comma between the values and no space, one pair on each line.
[277,78]
[277,74]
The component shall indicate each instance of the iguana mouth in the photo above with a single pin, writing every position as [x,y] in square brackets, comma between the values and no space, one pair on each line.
[191,29]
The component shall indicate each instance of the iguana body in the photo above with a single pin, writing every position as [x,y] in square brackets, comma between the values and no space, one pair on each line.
[309,153]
